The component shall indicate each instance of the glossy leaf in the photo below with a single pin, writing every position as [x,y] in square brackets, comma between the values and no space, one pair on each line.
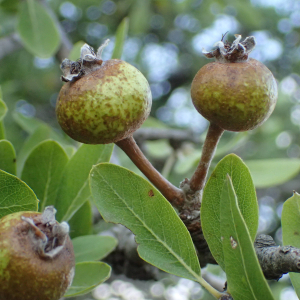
[245,278]
[211,203]
[7,157]
[126,198]
[272,172]
[88,275]
[15,195]
[81,222]
[75,52]
[42,171]
[74,187]
[37,29]
[290,221]
[121,35]
[93,247]
[41,133]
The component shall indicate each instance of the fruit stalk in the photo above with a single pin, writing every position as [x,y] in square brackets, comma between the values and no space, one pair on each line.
[173,194]
[213,136]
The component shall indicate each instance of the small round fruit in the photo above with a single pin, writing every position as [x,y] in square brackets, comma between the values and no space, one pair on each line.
[105,103]
[235,93]
[36,257]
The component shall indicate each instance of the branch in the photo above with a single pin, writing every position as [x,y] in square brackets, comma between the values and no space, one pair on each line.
[176,135]
[276,260]
[173,194]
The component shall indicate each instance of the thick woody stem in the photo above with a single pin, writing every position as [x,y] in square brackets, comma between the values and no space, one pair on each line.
[213,136]
[276,260]
[173,194]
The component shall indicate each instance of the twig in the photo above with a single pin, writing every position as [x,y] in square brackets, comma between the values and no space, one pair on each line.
[173,194]
[276,260]
[213,136]
[178,135]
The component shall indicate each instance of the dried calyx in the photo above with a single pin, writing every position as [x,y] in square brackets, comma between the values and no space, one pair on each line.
[236,51]
[37,259]
[47,235]
[88,62]
[103,101]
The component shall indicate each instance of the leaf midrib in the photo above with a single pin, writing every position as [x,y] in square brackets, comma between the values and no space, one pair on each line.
[241,250]
[197,277]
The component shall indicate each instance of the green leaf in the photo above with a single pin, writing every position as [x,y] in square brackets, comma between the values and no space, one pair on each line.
[37,29]
[10,6]
[290,221]
[81,222]
[121,35]
[140,14]
[40,134]
[75,52]
[211,203]
[74,187]
[88,275]
[7,157]
[93,247]
[124,197]
[245,278]
[272,172]
[15,195]
[31,125]
[28,124]
[3,111]
[70,150]
[42,171]
[2,131]
[3,107]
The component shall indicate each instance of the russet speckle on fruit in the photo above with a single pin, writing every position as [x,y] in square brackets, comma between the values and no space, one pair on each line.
[106,103]
[235,92]
[31,267]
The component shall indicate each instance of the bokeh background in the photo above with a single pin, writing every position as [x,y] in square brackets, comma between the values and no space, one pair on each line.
[165,42]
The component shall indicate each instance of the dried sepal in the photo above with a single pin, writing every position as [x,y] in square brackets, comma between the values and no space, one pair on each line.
[88,62]
[48,237]
[236,51]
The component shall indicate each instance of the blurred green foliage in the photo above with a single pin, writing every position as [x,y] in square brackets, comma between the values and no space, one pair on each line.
[164,41]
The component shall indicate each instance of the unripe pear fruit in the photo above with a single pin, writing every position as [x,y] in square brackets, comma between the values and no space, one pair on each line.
[36,256]
[234,92]
[102,102]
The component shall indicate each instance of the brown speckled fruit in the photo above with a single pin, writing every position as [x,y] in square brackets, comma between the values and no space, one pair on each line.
[33,267]
[235,92]
[105,102]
